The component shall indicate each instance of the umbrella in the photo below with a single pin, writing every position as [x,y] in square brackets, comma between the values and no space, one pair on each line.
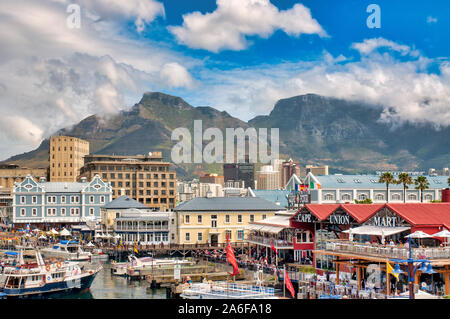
[443,233]
[42,237]
[350,235]
[36,230]
[53,232]
[419,234]
[65,232]
[90,244]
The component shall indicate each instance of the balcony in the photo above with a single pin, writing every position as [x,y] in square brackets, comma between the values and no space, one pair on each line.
[375,250]
[265,241]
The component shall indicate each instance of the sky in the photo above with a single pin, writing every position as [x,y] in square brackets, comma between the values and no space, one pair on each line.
[239,56]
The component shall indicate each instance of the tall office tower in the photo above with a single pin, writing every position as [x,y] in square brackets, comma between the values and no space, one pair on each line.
[240,171]
[66,158]
[289,168]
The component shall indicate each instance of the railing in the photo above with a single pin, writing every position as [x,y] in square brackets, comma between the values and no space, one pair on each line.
[278,243]
[388,251]
[125,228]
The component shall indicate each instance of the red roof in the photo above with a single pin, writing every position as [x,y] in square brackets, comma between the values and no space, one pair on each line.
[423,214]
[322,211]
[361,212]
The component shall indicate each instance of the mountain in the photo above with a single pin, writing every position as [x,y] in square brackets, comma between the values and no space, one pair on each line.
[350,137]
[347,136]
[147,126]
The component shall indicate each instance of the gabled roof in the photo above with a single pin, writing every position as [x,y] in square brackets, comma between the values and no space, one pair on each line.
[124,202]
[361,212]
[227,204]
[322,211]
[423,213]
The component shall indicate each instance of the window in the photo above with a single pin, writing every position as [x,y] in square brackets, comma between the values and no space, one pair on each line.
[412,197]
[22,212]
[240,234]
[213,221]
[428,197]
[227,219]
[51,211]
[379,197]
[63,212]
[188,236]
[91,211]
[91,199]
[63,199]
[74,211]
[74,199]
[102,199]
[22,199]
[264,216]
[186,219]
[340,180]
[357,180]
[199,236]
[252,218]
[34,211]
[199,219]
[362,197]
[329,197]
[34,199]
[396,197]
[239,218]
[228,234]
[346,197]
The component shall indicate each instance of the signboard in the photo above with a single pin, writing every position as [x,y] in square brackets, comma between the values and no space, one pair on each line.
[305,218]
[177,272]
[339,219]
[386,218]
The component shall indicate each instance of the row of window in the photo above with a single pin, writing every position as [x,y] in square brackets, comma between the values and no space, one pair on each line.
[52,199]
[228,234]
[378,197]
[148,237]
[53,211]
[132,168]
[140,176]
[141,184]
[187,219]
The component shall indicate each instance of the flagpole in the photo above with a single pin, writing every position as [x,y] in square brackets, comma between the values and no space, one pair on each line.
[284,281]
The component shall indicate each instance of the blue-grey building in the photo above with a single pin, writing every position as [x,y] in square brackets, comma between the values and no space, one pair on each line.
[58,203]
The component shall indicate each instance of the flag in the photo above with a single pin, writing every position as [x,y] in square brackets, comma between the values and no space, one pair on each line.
[288,284]
[135,248]
[273,247]
[391,271]
[231,258]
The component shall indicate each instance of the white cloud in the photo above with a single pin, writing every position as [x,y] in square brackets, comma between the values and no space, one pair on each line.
[53,76]
[370,45]
[176,75]
[233,20]
[431,20]
[406,87]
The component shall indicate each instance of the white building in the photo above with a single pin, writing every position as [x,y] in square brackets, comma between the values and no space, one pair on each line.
[346,188]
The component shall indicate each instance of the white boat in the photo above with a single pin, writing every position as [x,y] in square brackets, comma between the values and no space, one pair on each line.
[135,265]
[226,290]
[68,250]
[40,278]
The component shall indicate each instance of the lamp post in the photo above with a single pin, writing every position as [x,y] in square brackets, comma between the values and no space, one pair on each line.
[412,265]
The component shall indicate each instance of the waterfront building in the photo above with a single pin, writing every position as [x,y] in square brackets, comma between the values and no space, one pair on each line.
[209,220]
[346,188]
[240,172]
[113,209]
[268,178]
[287,169]
[145,178]
[58,203]
[212,179]
[66,158]
[12,173]
[145,227]
[316,170]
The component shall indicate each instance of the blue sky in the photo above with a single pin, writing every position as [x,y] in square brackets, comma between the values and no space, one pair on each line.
[240,56]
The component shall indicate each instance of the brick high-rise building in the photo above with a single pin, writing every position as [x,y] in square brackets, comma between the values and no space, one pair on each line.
[145,178]
[66,158]
[288,168]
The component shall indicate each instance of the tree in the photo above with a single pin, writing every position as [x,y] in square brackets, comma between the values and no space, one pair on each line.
[387,178]
[405,179]
[365,201]
[421,184]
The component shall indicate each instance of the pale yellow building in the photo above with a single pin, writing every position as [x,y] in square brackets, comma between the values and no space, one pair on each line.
[268,178]
[316,170]
[204,220]
[11,173]
[66,158]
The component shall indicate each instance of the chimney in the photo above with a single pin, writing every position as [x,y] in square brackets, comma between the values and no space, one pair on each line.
[83,179]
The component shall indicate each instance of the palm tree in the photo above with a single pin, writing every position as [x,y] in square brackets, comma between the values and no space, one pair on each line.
[387,178]
[422,184]
[405,179]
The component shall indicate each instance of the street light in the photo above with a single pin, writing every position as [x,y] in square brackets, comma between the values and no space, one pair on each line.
[411,266]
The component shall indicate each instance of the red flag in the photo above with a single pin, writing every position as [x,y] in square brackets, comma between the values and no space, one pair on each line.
[232,259]
[273,247]
[288,284]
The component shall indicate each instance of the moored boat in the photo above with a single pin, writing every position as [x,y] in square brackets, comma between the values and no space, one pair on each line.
[68,250]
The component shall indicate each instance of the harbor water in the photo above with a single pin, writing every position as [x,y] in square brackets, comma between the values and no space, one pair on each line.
[106,286]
